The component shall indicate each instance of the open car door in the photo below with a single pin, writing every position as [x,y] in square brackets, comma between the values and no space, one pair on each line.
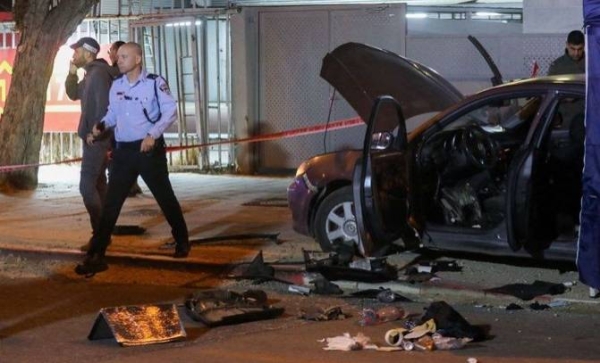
[497,76]
[381,180]
[530,219]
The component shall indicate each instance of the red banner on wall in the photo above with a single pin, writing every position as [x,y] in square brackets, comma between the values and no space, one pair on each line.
[62,114]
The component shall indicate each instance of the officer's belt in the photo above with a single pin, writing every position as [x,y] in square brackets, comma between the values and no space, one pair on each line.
[136,145]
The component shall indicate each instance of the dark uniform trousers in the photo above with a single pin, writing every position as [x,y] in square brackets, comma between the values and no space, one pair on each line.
[127,164]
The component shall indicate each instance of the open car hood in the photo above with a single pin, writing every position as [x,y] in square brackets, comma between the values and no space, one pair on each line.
[361,73]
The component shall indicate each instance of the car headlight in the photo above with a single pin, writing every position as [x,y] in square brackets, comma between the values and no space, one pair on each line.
[301,174]
[309,185]
[302,169]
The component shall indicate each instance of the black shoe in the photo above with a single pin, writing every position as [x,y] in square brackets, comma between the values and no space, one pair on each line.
[182,250]
[91,265]
[86,247]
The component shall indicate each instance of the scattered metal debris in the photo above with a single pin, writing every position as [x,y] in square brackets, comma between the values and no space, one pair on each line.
[453,332]
[222,307]
[298,289]
[450,323]
[334,268]
[370,316]
[325,287]
[530,291]
[381,294]
[318,313]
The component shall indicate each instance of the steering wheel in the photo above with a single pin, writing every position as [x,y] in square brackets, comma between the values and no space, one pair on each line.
[480,149]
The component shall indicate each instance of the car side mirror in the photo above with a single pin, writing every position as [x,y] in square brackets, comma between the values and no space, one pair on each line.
[386,125]
[381,140]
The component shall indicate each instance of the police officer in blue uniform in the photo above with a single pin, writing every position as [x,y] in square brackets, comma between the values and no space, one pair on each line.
[140,109]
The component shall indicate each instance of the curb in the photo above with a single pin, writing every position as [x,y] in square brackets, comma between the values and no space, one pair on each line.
[438,292]
[430,291]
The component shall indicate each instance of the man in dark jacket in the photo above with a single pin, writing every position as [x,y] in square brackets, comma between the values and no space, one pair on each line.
[92,92]
[573,61]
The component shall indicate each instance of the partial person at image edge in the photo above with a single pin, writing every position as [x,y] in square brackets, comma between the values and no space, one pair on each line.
[573,61]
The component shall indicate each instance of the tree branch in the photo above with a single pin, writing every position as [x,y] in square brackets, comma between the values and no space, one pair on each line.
[80,7]
[19,10]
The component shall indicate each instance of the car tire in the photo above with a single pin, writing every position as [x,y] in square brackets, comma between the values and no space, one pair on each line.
[335,222]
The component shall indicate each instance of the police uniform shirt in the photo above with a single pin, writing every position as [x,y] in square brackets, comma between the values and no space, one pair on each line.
[127,102]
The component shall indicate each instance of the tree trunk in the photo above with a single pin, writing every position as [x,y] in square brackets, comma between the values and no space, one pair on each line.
[43,29]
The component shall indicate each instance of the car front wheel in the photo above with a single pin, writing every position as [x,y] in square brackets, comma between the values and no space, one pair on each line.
[335,223]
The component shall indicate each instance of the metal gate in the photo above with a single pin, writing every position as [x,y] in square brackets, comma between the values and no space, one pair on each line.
[193,54]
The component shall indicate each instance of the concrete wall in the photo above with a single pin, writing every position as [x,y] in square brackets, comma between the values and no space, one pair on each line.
[276,80]
[552,16]
[448,27]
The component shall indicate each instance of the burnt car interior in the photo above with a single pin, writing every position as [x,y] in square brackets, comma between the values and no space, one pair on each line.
[465,164]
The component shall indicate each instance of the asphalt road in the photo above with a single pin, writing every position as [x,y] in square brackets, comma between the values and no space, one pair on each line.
[48,318]
[47,312]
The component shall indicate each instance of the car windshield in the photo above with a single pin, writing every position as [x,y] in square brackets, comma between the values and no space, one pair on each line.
[501,115]
[416,121]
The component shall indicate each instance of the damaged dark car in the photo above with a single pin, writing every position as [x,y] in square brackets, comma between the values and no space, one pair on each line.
[498,172]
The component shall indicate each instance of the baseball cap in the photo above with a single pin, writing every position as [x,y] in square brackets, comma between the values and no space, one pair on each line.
[87,43]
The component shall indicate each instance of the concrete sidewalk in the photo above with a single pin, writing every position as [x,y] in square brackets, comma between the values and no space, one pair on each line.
[53,219]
